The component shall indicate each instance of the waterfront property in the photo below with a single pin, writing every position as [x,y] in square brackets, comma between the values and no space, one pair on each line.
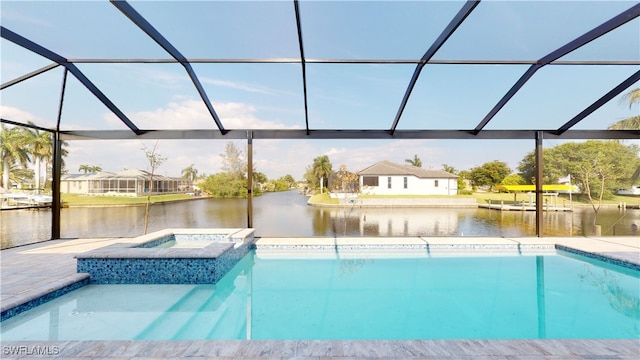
[389,178]
[481,81]
[130,182]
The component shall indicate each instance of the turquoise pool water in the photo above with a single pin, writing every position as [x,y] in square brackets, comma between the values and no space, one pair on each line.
[555,295]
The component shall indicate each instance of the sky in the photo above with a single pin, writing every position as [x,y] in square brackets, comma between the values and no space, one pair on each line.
[340,96]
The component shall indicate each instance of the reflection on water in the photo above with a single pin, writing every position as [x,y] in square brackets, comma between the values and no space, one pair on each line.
[623,297]
[287,214]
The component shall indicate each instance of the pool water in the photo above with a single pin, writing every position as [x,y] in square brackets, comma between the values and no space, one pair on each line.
[555,295]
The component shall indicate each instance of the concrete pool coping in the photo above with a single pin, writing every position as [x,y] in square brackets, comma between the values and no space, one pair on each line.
[31,271]
[133,248]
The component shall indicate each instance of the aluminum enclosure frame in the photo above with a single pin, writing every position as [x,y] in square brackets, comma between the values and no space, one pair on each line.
[564,132]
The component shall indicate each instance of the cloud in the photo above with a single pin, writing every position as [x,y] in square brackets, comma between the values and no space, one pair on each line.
[160,77]
[334,151]
[239,86]
[193,114]
[235,115]
[273,157]
[115,155]
[18,115]
[182,114]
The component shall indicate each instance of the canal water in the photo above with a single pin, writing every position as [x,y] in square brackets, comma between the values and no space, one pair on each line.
[287,214]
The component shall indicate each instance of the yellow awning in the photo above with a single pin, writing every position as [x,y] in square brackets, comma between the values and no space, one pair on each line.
[553,187]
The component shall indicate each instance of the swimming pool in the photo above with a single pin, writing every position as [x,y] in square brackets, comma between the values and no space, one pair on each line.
[551,295]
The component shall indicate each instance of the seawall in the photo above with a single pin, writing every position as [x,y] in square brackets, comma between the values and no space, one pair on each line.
[403,202]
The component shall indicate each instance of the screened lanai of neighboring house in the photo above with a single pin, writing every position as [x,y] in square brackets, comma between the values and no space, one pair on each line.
[289,74]
[131,182]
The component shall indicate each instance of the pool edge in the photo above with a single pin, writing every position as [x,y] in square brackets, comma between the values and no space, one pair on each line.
[609,258]
[58,289]
[329,349]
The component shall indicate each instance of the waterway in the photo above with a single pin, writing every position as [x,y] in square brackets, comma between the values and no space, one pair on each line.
[287,214]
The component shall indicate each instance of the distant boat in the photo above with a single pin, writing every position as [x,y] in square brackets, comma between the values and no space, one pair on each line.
[14,200]
[41,200]
[634,190]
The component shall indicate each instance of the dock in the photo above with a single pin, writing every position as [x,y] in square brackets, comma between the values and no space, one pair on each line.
[523,207]
[17,201]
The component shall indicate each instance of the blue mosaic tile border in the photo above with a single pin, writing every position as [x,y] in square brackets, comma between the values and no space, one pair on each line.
[42,299]
[600,257]
[408,247]
[211,237]
[201,270]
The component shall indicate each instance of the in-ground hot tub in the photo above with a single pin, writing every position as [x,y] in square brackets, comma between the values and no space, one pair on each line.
[171,256]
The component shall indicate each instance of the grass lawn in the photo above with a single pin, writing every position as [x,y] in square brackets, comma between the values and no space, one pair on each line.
[323,199]
[75,199]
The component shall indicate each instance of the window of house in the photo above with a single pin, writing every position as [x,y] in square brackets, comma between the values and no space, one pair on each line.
[405,182]
[389,182]
[370,180]
[435,184]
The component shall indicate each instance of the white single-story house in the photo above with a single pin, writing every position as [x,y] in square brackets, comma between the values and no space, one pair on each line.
[130,182]
[388,178]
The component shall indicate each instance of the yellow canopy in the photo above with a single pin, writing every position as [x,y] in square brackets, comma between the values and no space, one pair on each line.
[553,187]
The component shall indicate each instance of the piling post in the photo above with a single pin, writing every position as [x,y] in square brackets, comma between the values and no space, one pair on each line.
[539,177]
[250,179]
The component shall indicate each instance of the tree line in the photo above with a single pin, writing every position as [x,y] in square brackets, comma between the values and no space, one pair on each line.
[232,182]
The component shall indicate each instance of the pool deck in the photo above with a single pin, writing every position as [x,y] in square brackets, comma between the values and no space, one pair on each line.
[28,272]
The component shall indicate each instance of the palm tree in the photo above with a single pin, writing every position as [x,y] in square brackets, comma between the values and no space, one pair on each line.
[85,168]
[190,173]
[95,169]
[14,148]
[41,149]
[415,161]
[632,97]
[322,169]
[20,174]
[49,159]
[448,168]
[632,123]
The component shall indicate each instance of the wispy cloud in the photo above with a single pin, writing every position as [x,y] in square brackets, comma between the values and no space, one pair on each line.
[240,86]
[165,78]
[15,114]
[193,114]
[14,16]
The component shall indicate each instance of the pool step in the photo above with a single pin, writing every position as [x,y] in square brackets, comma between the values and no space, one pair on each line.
[34,297]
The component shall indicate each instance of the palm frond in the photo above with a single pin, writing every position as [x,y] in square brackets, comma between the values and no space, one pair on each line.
[631,97]
[632,123]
